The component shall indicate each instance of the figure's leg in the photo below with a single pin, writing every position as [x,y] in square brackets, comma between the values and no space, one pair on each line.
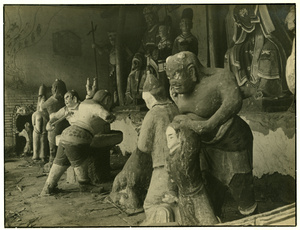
[217,191]
[52,145]
[130,185]
[60,165]
[52,148]
[156,210]
[44,146]
[78,156]
[241,187]
[36,144]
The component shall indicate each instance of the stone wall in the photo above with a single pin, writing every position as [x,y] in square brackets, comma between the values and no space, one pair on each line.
[13,99]
[129,123]
[274,147]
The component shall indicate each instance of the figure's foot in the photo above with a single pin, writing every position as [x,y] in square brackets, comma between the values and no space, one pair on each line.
[35,159]
[48,190]
[252,210]
[47,167]
[88,187]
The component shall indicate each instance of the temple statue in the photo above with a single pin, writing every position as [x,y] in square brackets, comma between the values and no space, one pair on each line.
[111,51]
[209,100]
[39,121]
[51,105]
[183,166]
[131,189]
[23,124]
[290,64]
[164,49]
[27,134]
[91,117]
[145,59]
[258,57]
[186,41]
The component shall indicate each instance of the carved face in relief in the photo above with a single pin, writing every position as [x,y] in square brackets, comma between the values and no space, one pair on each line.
[182,80]
[23,110]
[70,100]
[150,20]
[112,37]
[181,72]
[173,141]
[185,25]
[163,31]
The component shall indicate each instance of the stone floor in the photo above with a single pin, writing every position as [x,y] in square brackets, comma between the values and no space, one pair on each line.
[24,179]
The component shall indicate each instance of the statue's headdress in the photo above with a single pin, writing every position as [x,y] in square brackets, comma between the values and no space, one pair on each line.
[153,86]
[187,13]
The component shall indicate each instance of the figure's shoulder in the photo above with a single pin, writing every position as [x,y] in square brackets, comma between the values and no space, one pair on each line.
[218,74]
[48,102]
[149,118]
[211,72]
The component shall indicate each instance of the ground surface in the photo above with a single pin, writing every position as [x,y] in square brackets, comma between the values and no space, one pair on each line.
[23,207]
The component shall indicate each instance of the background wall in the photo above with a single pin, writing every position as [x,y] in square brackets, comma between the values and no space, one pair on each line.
[31,39]
[45,42]
[30,59]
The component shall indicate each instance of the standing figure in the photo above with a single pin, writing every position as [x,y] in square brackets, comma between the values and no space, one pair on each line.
[51,105]
[209,100]
[111,50]
[149,162]
[39,121]
[145,59]
[186,41]
[258,58]
[92,117]
[164,50]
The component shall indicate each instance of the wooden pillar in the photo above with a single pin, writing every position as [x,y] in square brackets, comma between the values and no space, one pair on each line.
[210,33]
[119,61]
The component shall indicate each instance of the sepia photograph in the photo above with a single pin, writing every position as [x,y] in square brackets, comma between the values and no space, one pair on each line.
[149,115]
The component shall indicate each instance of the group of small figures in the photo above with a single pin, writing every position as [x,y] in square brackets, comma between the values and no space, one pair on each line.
[258,59]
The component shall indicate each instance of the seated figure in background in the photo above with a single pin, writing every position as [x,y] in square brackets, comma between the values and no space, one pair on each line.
[145,59]
[92,117]
[209,100]
[186,41]
[148,162]
[164,50]
[126,55]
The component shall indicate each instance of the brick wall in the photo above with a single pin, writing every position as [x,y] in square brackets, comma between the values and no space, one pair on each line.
[12,100]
